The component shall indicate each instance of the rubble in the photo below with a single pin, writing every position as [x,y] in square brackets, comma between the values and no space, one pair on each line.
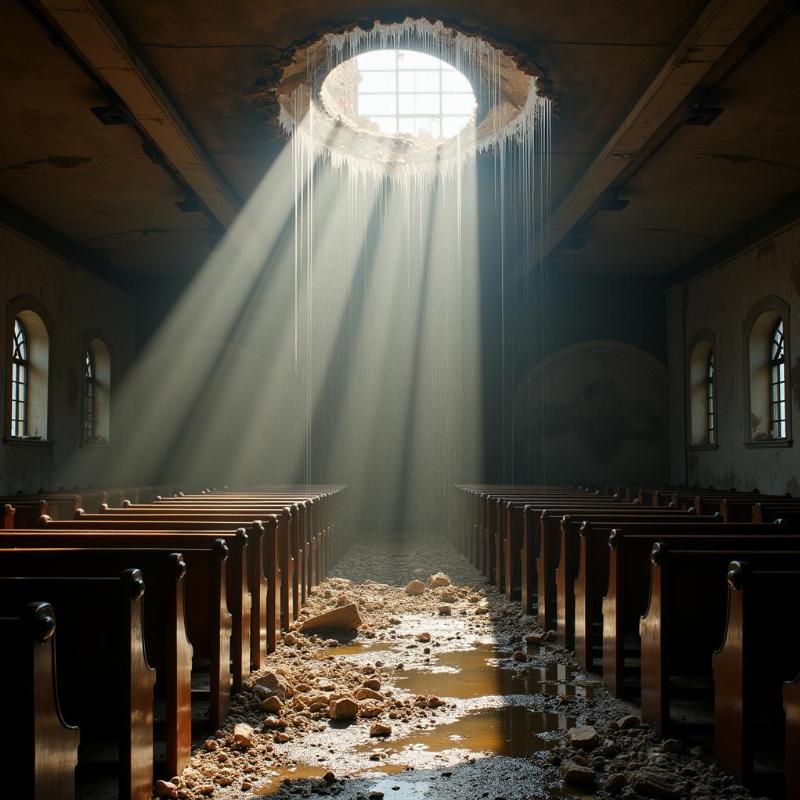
[324,704]
[344,617]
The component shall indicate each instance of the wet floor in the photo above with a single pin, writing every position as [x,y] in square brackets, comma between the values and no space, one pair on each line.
[495,718]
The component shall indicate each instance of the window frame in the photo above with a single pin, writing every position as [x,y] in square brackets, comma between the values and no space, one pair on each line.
[88,409]
[441,67]
[777,381]
[20,364]
[757,332]
[38,326]
[711,400]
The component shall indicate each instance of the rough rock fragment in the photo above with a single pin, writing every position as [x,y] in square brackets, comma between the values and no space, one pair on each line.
[658,783]
[243,735]
[437,580]
[345,708]
[367,694]
[273,704]
[415,588]
[166,789]
[343,618]
[584,736]
[380,729]
[578,775]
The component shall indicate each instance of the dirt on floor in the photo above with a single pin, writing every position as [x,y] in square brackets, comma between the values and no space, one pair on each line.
[449,693]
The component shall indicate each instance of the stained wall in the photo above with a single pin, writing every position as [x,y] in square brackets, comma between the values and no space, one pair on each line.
[76,305]
[718,302]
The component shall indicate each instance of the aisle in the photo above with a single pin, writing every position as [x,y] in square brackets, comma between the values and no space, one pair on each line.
[455,696]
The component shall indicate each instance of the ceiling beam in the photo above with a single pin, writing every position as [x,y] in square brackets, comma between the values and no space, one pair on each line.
[717,28]
[101,43]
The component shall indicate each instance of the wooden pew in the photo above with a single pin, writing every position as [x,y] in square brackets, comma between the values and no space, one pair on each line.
[239,568]
[758,654]
[208,621]
[103,676]
[293,519]
[680,630]
[22,512]
[769,511]
[261,563]
[629,576]
[584,545]
[568,560]
[39,748]
[791,707]
[168,648]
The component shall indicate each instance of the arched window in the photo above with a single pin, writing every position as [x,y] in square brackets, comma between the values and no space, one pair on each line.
[768,366]
[19,380]
[703,391]
[88,396]
[28,388]
[777,383]
[96,423]
[711,412]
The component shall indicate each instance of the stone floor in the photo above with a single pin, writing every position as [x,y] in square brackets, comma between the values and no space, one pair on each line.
[470,701]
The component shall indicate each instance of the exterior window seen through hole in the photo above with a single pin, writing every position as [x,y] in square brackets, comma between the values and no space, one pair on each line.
[412,93]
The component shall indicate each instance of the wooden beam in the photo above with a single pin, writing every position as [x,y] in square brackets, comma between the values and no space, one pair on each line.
[717,28]
[101,43]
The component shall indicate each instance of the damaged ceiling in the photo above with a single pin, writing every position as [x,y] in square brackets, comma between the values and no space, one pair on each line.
[636,189]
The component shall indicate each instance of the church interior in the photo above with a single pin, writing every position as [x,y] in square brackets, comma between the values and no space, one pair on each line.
[398,399]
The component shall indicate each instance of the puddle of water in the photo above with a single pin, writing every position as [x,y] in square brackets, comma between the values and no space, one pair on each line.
[301,772]
[398,789]
[472,673]
[356,649]
[513,731]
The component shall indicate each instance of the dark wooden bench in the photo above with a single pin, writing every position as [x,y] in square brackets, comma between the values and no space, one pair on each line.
[681,629]
[760,652]
[208,621]
[40,750]
[791,708]
[629,574]
[562,583]
[168,648]
[261,561]
[105,684]
[287,539]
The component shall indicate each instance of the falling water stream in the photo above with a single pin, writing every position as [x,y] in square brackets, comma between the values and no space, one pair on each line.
[414,209]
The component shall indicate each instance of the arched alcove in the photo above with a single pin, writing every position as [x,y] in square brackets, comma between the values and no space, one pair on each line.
[702,394]
[96,408]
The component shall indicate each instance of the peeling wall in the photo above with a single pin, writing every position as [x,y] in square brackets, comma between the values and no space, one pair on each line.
[600,415]
[75,303]
[719,301]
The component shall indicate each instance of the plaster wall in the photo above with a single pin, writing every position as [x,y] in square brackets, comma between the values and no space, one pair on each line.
[597,414]
[76,306]
[719,301]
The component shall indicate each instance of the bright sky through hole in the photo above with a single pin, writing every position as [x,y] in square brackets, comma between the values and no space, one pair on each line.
[404,91]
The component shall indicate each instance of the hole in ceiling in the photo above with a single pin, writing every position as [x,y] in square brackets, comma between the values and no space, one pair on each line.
[409,97]
[400,93]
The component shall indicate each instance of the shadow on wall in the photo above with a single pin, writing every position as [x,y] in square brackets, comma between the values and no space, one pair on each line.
[595,412]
